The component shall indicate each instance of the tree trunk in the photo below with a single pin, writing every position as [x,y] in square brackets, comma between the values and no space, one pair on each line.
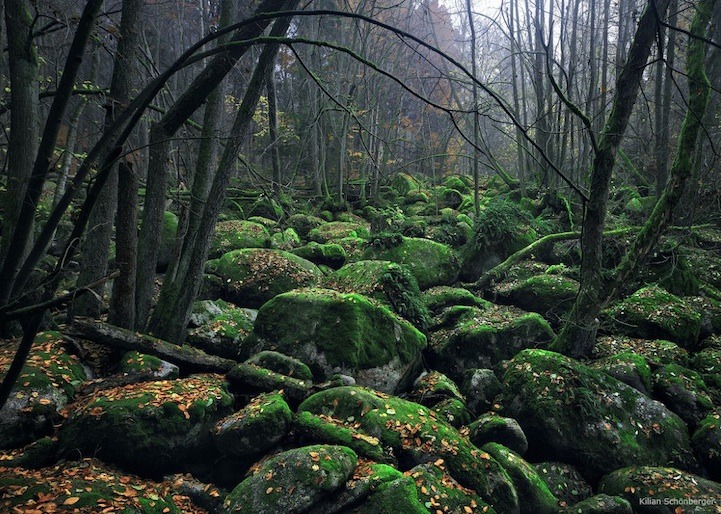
[162,131]
[171,314]
[579,332]
[24,123]
[273,130]
[95,249]
[122,303]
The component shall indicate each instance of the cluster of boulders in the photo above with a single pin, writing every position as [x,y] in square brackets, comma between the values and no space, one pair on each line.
[369,379]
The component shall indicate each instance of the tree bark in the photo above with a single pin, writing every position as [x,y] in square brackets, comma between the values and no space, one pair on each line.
[578,335]
[160,135]
[95,248]
[172,312]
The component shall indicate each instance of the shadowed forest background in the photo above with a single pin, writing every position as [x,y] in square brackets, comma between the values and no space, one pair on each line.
[367,256]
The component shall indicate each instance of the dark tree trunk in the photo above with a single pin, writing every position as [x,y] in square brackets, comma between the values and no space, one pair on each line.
[578,335]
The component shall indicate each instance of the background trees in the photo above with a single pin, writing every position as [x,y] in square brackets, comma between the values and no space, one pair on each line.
[322,106]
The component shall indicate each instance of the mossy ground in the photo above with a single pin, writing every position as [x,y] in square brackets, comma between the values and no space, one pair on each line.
[88,487]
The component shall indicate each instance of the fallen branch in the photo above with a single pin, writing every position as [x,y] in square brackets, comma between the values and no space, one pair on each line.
[189,359]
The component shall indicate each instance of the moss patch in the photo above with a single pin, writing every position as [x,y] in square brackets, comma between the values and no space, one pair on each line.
[88,486]
[253,276]
[236,234]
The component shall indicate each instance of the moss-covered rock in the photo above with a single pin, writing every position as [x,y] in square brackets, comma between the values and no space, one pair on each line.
[405,183]
[430,388]
[283,364]
[501,229]
[303,223]
[293,481]
[575,414]
[334,332]
[46,382]
[417,435]
[255,428]
[36,455]
[150,428]
[491,428]
[287,240]
[335,230]
[706,442]
[536,497]
[389,283]
[600,504]
[564,481]
[453,411]
[221,327]
[168,236]
[548,294]
[328,254]
[236,234]
[630,368]
[400,495]
[655,351]
[87,486]
[654,313]
[683,391]
[253,276]
[483,338]
[430,262]
[328,430]
[439,491]
[662,490]
[136,363]
[480,387]
[440,297]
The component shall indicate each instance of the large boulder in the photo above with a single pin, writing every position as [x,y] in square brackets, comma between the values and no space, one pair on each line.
[501,229]
[336,332]
[417,436]
[581,416]
[707,444]
[547,294]
[293,481]
[250,277]
[684,392]
[151,428]
[483,338]
[220,327]
[432,263]
[654,313]
[655,490]
[87,485]
[389,283]
[46,383]
[236,234]
[335,230]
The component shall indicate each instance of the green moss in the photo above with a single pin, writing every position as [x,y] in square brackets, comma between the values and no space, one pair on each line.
[330,254]
[564,482]
[628,367]
[152,427]
[348,330]
[136,362]
[440,297]
[655,351]
[707,443]
[439,492]
[501,229]
[651,313]
[253,276]
[661,484]
[389,283]
[399,495]
[292,481]
[483,338]
[327,430]
[283,364]
[431,263]
[454,411]
[303,223]
[560,405]
[548,294]
[416,434]
[254,429]
[285,240]
[537,498]
[334,230]
[235,234]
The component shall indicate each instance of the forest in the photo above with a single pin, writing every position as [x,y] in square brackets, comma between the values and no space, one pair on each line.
[360,256]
